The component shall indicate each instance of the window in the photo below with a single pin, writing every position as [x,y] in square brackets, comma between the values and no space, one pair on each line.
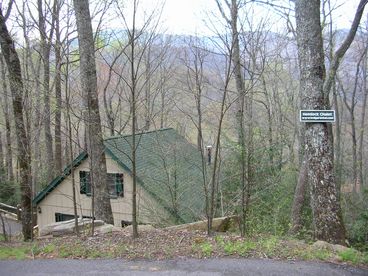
[125,223]
[85,183]
[63,217]
[115,184]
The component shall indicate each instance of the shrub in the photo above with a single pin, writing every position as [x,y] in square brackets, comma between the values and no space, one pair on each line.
[356,218]
[206,249]
[349,255]
[239,247]
[9,193]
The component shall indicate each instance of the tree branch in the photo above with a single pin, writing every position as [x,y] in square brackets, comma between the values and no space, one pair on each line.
[343,48]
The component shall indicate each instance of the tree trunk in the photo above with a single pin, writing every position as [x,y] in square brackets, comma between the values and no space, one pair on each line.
[337,142]
[2,169]
[240,115]
[45,50]
[299,194]
[327,216]
[69,147]
[360,178]
[162,109]
[96,149]
[299,198]
[354,149]
[35,65]
[351,109]
[58,148]
[23,149]
[134,166]
[134,122]
[6,110]
[147,96]
[213,189]
[338,153]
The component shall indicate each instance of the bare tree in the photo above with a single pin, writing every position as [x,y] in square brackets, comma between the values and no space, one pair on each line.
[195,57]
[6,111]
[2,169]
[139,41]
[23,148]
[133,70]
[45,53]
[194,60]
[96,149]
[32,64]
[225,105]
[360,179]
[327,14]
[245,63]
[58,91]
[350,105]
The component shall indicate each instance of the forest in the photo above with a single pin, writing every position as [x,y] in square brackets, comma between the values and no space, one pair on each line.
[76,72]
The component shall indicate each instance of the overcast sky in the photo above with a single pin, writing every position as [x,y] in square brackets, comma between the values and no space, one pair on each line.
[193,16]
[187,16]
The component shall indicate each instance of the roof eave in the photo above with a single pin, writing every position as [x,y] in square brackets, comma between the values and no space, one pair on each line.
[56,181]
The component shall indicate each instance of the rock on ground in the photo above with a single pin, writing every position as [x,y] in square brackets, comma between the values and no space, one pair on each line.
[221,224]
[107,228]
[325,245]
[141,228]
[67,227]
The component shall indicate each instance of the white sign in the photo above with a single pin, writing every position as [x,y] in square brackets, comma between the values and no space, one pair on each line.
[317,116]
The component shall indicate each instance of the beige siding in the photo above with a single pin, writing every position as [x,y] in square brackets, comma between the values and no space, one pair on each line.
[60,200]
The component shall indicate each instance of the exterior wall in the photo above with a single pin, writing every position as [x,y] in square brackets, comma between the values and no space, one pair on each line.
[60,200]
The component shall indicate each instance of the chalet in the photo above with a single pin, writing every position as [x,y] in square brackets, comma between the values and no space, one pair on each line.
[169,182]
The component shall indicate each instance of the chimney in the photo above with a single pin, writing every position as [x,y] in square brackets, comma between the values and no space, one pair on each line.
[209,152]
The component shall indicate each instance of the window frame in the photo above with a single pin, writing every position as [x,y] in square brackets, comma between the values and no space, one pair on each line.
[115,182]
[59,217]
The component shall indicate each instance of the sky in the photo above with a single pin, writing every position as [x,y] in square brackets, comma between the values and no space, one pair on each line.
[187,16]
[193,17]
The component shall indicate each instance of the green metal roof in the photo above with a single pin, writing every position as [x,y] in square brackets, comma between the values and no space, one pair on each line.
[54,183]
[168,168]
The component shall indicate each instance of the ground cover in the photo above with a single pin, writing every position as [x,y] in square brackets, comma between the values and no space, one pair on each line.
[159,244]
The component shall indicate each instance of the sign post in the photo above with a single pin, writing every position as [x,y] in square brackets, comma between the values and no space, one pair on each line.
[317,116]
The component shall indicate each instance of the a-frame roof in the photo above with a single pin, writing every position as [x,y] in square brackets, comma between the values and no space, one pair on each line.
[168,168]
[56,181]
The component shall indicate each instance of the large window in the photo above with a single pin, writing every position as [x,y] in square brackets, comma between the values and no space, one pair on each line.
[115,183]
[64,217]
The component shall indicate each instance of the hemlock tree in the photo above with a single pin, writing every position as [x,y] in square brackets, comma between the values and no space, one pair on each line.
[101,199]
[315,88]
[324,195]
